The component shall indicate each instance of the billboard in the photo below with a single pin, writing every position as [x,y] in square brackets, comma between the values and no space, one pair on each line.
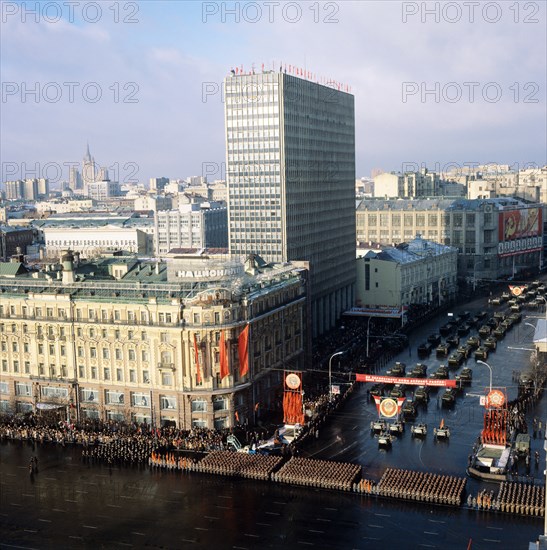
[519,231]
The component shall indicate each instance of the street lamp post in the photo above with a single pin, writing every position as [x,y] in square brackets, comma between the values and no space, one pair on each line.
[368,333]
[489,368]
[330,372]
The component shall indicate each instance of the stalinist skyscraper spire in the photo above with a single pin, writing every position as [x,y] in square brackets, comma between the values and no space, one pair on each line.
[88,168]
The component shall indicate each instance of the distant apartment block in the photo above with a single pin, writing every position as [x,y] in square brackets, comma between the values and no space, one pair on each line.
[193,225]
[94,241]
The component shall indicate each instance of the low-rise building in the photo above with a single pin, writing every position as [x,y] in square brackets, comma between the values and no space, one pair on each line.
[391,279]
[14,240]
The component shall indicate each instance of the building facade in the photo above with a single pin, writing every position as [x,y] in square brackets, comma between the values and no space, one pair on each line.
[290,150]
[94,241]
[140,341]
[496,238]
[13,240]
[193,225]
[391,279]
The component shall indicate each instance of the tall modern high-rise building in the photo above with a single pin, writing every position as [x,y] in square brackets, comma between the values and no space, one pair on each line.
[290,151]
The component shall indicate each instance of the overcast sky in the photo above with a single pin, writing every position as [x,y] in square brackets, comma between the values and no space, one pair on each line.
[466,84]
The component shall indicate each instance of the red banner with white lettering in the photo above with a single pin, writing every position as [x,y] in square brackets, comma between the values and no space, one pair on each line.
[406,381]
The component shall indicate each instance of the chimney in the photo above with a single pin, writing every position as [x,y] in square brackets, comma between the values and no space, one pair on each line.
[67,260]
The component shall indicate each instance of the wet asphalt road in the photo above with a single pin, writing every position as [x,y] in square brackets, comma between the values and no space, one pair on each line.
[70,504]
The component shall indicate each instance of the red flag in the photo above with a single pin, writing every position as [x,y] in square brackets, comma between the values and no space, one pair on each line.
[196,357]
[377,401]
[224,368]
[237,417]
[243,348]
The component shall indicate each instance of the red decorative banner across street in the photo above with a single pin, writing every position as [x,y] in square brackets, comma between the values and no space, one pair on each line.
[407,381]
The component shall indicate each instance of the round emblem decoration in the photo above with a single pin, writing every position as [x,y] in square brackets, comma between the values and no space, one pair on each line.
[388,408]
[292,381]
[495,398]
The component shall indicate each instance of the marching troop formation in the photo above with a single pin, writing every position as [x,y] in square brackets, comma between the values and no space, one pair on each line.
[424,487]
[121,450]
[519,498]
[227,463]
[318,473]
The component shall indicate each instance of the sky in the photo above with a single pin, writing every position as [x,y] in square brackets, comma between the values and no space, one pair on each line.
[435,83]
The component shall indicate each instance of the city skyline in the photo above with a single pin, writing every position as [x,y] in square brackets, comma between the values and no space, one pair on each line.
[159,76]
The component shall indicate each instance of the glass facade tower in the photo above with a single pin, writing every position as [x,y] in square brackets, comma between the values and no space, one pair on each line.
[290,152]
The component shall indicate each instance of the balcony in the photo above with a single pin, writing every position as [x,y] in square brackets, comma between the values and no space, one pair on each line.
[166,366]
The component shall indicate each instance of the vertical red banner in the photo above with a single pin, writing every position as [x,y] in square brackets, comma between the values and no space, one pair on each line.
[196,357]
[243,349]
[224,367]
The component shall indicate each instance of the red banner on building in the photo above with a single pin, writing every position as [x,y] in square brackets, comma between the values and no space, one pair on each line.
[243,349]
[196,357]
[407,381]
[223,357]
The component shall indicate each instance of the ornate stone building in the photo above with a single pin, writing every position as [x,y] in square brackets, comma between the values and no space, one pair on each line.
[139,341]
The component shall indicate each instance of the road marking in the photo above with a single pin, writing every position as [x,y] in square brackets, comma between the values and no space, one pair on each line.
[377,526]
[277,502]
[210,517]
[333,509]
[273,513]
[436,521]
[251,535]
[322,519]
[189,540]
[89,527]
[306,543]
[427,546]
[75,537]
[371,538]
[113,505]
[315,531]
[138,533]
[58,510]
[383,515]
[31,531]
[431,533]
[264,524]
[27,495]
[51,479]
[201,529]
[44,520]
[491,540]
[226,507]
[496,528]
[70,500]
